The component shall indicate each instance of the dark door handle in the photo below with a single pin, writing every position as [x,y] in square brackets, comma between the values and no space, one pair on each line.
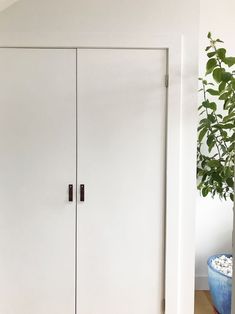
[70,192]
[82,192]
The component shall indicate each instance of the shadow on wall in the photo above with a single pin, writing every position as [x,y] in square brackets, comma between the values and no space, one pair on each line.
[4,4]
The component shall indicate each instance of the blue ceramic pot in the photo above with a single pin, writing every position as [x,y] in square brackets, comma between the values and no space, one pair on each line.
[220,287]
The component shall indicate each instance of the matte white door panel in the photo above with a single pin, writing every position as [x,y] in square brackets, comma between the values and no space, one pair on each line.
[121,161]
[37,162]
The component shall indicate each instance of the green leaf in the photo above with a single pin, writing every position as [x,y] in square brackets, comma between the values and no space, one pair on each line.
[227,172]
[202,134]
[217,126]
[213,163]
[222,87]
[211,54]
[231,148]
[226,76]
[205,103]
[230,61]
[211,64]
[209,35]
[211,146]
[226,103]
[231,195]
[208,48]
[210,139]
[221,52]
[230,182]
[211,118]
[213,106]
[216,177]
[224,133]
[224,96]
[230,126]
[212,92]
[210,105]
[200,127]
[217,74]
[231,108]
[205,191]
[204,121]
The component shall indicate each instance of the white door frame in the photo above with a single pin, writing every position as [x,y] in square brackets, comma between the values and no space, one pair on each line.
[173,46]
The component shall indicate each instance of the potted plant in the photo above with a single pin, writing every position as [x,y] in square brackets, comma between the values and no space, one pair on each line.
[216,153]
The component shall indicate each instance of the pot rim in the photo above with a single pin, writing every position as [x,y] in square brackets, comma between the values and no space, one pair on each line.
[215,270]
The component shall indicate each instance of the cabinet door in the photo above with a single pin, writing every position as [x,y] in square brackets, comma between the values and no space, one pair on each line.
[37,163]
[121,162]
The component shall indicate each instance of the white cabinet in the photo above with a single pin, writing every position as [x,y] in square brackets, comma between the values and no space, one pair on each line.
[108,256]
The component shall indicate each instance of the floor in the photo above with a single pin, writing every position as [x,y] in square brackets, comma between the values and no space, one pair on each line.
[203,304]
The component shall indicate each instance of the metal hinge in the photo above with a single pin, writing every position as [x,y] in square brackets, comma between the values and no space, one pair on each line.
[167,80]
[163,305]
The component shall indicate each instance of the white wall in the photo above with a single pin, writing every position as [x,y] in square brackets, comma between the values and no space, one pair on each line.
[59,22]
[213,217]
